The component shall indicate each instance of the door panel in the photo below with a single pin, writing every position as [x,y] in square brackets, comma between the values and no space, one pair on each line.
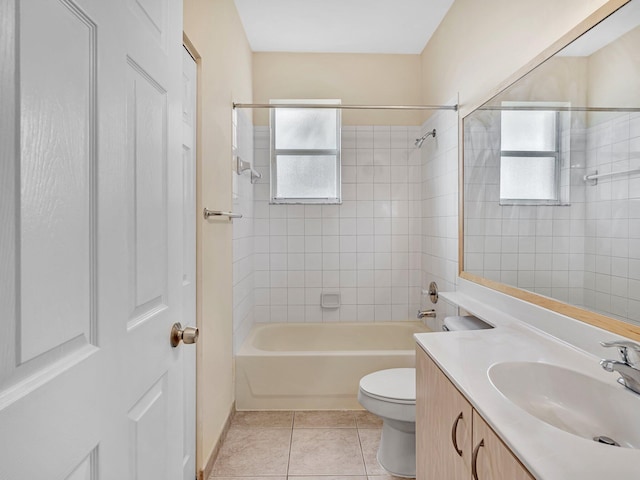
[57,163]
[9,191]
[87,469]
[147,131]
[152,15]
[147,427]
[91,245]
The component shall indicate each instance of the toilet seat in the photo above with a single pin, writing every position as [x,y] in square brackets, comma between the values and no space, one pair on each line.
[395,385]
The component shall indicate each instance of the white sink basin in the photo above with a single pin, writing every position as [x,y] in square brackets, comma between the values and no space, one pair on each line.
[571,401]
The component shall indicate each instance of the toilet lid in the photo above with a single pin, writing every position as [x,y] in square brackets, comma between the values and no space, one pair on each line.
[395,384]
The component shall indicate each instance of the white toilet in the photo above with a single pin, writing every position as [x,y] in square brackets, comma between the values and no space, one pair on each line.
[391,395]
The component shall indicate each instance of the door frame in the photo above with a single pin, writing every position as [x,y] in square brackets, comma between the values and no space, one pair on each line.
[192,50]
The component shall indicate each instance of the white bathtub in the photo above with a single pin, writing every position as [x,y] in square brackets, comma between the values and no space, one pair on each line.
[308,366]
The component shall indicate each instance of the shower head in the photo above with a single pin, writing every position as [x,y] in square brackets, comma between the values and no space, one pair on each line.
[420,141]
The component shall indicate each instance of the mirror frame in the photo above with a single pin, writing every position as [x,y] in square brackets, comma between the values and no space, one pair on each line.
[596,319]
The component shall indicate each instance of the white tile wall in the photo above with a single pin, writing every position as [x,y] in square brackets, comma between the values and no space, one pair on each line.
[368,248]
[243,233]
[397,228]
[587,253]
[439,195]
[538,248]
[612,233]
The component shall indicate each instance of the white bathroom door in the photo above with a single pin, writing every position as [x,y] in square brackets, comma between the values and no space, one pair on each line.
[90,239]
[189,89]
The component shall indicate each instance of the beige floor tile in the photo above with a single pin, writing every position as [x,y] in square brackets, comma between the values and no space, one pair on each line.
[212,477]
[253,452]
[369,440]
[326,477]
[322,451]
[263,419]
[386,477]
[324,419]
[366,419]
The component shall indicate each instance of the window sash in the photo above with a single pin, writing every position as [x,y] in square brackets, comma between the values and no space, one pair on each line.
[301,200]
[533,154]
[275,153]
[555,200]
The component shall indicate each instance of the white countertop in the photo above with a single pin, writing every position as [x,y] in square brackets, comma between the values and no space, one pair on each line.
[548,452]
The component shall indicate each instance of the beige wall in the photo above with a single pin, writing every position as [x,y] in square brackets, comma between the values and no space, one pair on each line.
[613,79]
[353,78]
[479,44]
[214,29]
[559,79]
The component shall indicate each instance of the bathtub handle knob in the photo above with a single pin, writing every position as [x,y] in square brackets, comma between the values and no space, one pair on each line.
[187,335]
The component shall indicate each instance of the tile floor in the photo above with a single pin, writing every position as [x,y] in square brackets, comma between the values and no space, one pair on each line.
[313,445]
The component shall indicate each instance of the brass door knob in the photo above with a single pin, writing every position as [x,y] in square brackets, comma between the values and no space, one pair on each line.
[187,335]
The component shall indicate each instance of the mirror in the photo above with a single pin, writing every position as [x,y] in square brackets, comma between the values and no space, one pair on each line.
[551,175]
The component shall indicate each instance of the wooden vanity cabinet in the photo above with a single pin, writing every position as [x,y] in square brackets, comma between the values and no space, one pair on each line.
[449,430]
[443,422]
[492,458]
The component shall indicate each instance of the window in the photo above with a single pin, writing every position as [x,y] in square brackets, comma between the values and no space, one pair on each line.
[305,153]
[529,156]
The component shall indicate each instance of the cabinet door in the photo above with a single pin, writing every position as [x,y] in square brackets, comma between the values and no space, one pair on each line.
[491,458]
[443,425]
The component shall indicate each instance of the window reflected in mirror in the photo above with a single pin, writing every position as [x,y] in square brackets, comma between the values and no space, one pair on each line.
[552,176]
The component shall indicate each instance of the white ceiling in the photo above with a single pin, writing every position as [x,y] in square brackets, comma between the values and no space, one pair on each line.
[341,26]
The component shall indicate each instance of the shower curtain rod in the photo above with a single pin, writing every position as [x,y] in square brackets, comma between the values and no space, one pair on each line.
[551,108]
[346,107]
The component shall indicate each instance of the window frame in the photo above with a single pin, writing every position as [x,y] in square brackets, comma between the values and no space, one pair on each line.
[274,153]
[556,154]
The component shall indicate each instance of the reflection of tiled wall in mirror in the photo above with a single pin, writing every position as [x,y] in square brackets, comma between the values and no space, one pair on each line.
[586,253]
[612,227]
[537,248]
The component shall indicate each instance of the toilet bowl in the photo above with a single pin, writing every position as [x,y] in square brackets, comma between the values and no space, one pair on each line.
[391,395]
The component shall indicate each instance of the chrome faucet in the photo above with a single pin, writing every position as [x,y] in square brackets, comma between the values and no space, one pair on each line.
[628,367]
[427,313]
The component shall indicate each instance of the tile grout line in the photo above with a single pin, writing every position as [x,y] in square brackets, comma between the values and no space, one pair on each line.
[293,421]
[364,463]
[361,451]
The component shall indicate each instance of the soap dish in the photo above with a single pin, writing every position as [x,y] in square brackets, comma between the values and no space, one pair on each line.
[330,300]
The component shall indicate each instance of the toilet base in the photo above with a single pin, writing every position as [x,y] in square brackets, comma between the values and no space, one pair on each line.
[397,450]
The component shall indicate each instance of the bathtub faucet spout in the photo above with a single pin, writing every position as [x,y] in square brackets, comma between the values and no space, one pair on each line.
[426,313]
